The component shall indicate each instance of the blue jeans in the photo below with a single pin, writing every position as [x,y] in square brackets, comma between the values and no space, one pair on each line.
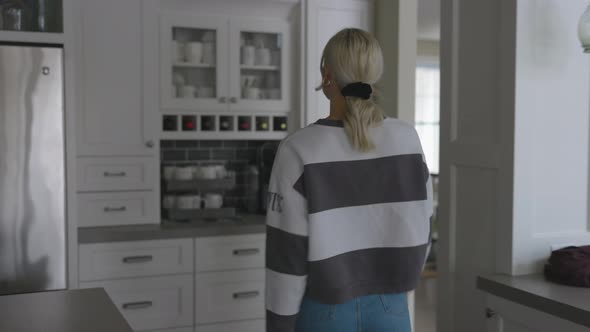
[372,313]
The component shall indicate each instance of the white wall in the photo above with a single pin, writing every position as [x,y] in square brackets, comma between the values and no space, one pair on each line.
[551,136]
[396,24]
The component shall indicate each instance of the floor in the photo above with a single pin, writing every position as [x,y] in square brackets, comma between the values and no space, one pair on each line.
[426,305]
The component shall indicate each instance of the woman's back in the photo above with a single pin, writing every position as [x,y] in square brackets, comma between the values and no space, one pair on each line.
[344,223]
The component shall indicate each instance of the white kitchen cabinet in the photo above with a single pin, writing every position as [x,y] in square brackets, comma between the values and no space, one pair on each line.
[152,303]
[115,174]
[508,316]
[100,261]
[116,208]
[242,326]
[229,296]
[220,63]
[110,118]
[230,253]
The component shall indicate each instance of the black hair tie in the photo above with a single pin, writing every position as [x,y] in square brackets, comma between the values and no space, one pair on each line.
[358,89]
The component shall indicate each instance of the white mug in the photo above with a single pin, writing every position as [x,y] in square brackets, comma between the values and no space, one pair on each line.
[263,56]
[213,201]
[184,173]
[252,93]
[169,202]
[169,172]
[194,52]
[273,94]
[208,53]
[188,91]
[220,171]
[275,57]
[248,55]
[205,92]
[208,173]
[185,202]
[178,51]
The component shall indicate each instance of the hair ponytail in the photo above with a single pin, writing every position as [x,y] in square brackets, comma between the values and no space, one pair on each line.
[361,116]
[354,55]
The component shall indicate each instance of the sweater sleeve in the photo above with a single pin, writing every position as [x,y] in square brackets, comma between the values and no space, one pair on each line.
[286,241]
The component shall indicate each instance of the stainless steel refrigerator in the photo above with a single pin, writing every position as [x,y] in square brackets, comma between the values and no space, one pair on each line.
[32,170]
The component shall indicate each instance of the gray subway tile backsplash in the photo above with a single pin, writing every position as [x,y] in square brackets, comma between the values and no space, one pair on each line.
[236,155]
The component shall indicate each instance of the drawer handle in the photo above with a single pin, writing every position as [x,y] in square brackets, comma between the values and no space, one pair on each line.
[115,175]
[137,305]
[138,259]
[246,252]
[246,295]
[115,209]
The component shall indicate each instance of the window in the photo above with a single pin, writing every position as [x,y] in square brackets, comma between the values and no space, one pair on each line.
[428,112]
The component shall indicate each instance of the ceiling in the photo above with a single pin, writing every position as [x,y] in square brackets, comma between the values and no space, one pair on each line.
[429,19]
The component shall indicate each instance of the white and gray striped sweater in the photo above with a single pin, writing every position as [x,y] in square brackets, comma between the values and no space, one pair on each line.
[342,223]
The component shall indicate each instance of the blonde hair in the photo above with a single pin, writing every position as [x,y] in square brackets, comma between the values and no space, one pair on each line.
[354,55]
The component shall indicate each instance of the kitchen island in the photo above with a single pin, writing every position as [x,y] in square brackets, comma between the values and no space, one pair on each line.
[88,310]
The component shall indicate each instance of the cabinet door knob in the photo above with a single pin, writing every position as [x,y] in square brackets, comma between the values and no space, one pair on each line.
[233,100]
[149,144]
[222,100]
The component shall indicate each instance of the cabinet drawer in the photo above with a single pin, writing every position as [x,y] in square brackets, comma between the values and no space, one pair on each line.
[115,174]
[230,252]
[135,259]
[108,209]
[229,296]
[244,326]
[152,303]
[182,329]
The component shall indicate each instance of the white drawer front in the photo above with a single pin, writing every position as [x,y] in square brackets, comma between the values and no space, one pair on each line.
[109,209]
[152,303]
[182,329]
[245,326]
[230,252]
[229,296]
[115,174]
[135,259]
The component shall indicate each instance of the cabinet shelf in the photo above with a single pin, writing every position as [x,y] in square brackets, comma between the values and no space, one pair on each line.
[193,65]
[265,68]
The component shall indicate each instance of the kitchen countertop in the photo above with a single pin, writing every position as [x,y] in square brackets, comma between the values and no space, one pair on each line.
[88,310]
[533,291]
[248,224]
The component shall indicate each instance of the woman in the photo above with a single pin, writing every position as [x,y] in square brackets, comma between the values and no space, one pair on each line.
[348,224]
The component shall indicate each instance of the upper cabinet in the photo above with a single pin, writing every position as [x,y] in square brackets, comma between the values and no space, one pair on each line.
[111,118]
[39,21]
[224,64]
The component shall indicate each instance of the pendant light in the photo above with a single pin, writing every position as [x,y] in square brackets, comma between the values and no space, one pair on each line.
[584,30]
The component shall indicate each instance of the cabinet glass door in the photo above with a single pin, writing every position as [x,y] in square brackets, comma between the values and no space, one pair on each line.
[193,62]
[36,16]
[260,60]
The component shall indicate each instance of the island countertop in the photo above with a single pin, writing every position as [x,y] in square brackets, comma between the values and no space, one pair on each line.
[247,224]
[88,310]
[533,291]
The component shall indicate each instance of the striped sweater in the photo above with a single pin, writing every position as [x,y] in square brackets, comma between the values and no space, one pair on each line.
[341,223]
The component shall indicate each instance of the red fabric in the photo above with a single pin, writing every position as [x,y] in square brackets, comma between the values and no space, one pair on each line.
[569,266]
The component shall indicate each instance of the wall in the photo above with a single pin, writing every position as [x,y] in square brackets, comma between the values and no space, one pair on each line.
[428,49]
[237,155]
[396,24]
[551,135]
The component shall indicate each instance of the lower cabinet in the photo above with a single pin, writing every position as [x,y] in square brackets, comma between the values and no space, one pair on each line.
[229,296]
[152,303]
[246,326]
[508,316]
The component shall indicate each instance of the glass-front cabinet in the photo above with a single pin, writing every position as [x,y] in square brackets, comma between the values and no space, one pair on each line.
[31,16]
[222,64]
[194,58]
